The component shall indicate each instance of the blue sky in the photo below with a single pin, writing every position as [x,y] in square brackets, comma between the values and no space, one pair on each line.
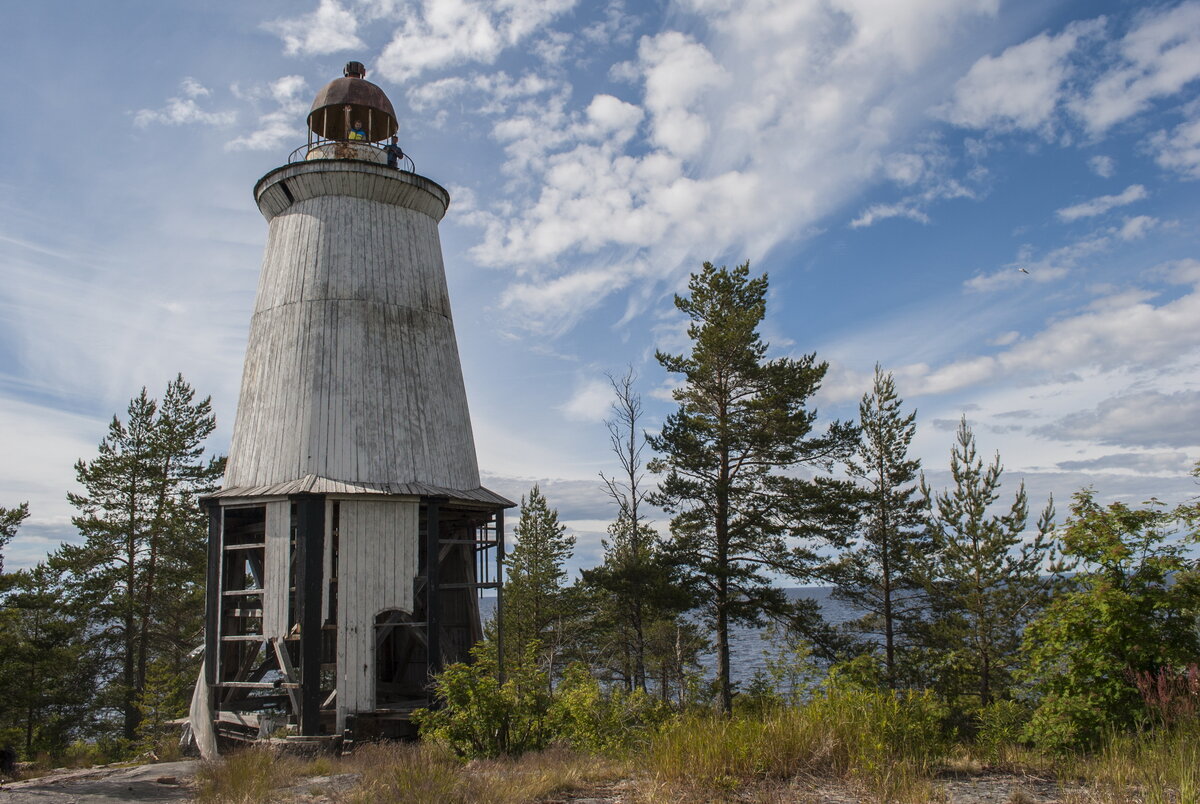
[891,165]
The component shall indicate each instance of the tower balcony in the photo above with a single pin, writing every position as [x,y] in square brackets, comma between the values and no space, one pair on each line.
[373,152]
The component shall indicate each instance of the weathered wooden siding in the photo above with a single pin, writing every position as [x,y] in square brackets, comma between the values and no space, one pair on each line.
[352,369]
[276,567]
[377,561]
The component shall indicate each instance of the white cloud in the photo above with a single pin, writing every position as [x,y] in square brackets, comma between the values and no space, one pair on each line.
[1157,58]
[1121,331]
[499,90]
[182,111]
[194,89]
[726,125]
[677,72]
[281,125]
[1053,266]
[329,29]
[882,212]
[1021,88]
[591,402]
[1005,338]
[1098,206]
[1103,166]
[1135,228]
[1179,150]
[445,33]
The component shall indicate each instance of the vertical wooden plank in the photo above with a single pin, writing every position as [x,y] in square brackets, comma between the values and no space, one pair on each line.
[275,566]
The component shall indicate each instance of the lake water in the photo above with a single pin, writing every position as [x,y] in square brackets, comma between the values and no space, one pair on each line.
[746,645]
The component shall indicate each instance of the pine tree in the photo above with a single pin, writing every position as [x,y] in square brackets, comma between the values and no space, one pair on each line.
[535,600]
[47,675]
[876,574]
[727,454]
[10,521]
[983,579]
[140,572]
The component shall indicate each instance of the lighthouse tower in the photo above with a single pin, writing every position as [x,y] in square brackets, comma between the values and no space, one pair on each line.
[351,538]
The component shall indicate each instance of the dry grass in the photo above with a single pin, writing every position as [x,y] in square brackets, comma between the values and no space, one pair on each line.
[247,777]
[884,748]
[428,774]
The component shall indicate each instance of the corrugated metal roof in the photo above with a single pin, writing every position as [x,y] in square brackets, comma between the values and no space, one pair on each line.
[313,484]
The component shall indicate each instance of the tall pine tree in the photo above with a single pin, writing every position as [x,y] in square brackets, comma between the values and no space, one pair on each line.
[535,598]
[984,580]
[876,574]
[728,455]
[140,572]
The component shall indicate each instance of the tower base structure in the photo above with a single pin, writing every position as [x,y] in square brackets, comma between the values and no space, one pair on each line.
[334,606]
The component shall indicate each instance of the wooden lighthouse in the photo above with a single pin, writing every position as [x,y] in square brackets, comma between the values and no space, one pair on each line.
[351,538]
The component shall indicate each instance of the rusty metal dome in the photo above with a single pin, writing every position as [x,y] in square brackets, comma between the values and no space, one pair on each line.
[343,101]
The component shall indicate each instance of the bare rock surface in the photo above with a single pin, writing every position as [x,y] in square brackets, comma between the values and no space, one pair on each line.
[152,784]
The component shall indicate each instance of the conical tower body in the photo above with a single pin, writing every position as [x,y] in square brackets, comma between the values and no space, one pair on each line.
[351,538]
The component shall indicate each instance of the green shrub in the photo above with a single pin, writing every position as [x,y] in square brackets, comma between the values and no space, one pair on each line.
[588,718]
[1065,722]
[478,716]
[998,727]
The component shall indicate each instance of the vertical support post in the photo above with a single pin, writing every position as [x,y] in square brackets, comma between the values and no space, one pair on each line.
[310,554]
[433,597]
[212,598]
[500,594]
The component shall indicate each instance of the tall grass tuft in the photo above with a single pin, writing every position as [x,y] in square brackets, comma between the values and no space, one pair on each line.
[1156,767]
[244,777]
[886,744]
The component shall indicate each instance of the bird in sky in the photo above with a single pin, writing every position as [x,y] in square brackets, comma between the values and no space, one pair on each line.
[1022,270]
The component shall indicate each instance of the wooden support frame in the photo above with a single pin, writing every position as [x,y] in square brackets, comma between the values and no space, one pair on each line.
[433,601]
[310,555]
[212,601]
[500,594]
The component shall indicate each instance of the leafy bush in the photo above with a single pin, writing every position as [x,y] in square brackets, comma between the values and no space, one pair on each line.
[588,718]
[1132,610]
[480,717]
[1065,722]
[999,726]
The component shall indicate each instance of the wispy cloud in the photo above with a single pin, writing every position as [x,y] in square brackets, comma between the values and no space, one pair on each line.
[282,124]
[184,109]
[1158,57]
[1098,206]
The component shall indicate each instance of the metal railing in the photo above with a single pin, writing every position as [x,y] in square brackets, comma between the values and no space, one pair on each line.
[348,149]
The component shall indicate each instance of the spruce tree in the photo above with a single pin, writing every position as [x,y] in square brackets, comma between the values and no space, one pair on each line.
[982,577]
[728,455]
[876,573]
[140,572]
[535,600]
